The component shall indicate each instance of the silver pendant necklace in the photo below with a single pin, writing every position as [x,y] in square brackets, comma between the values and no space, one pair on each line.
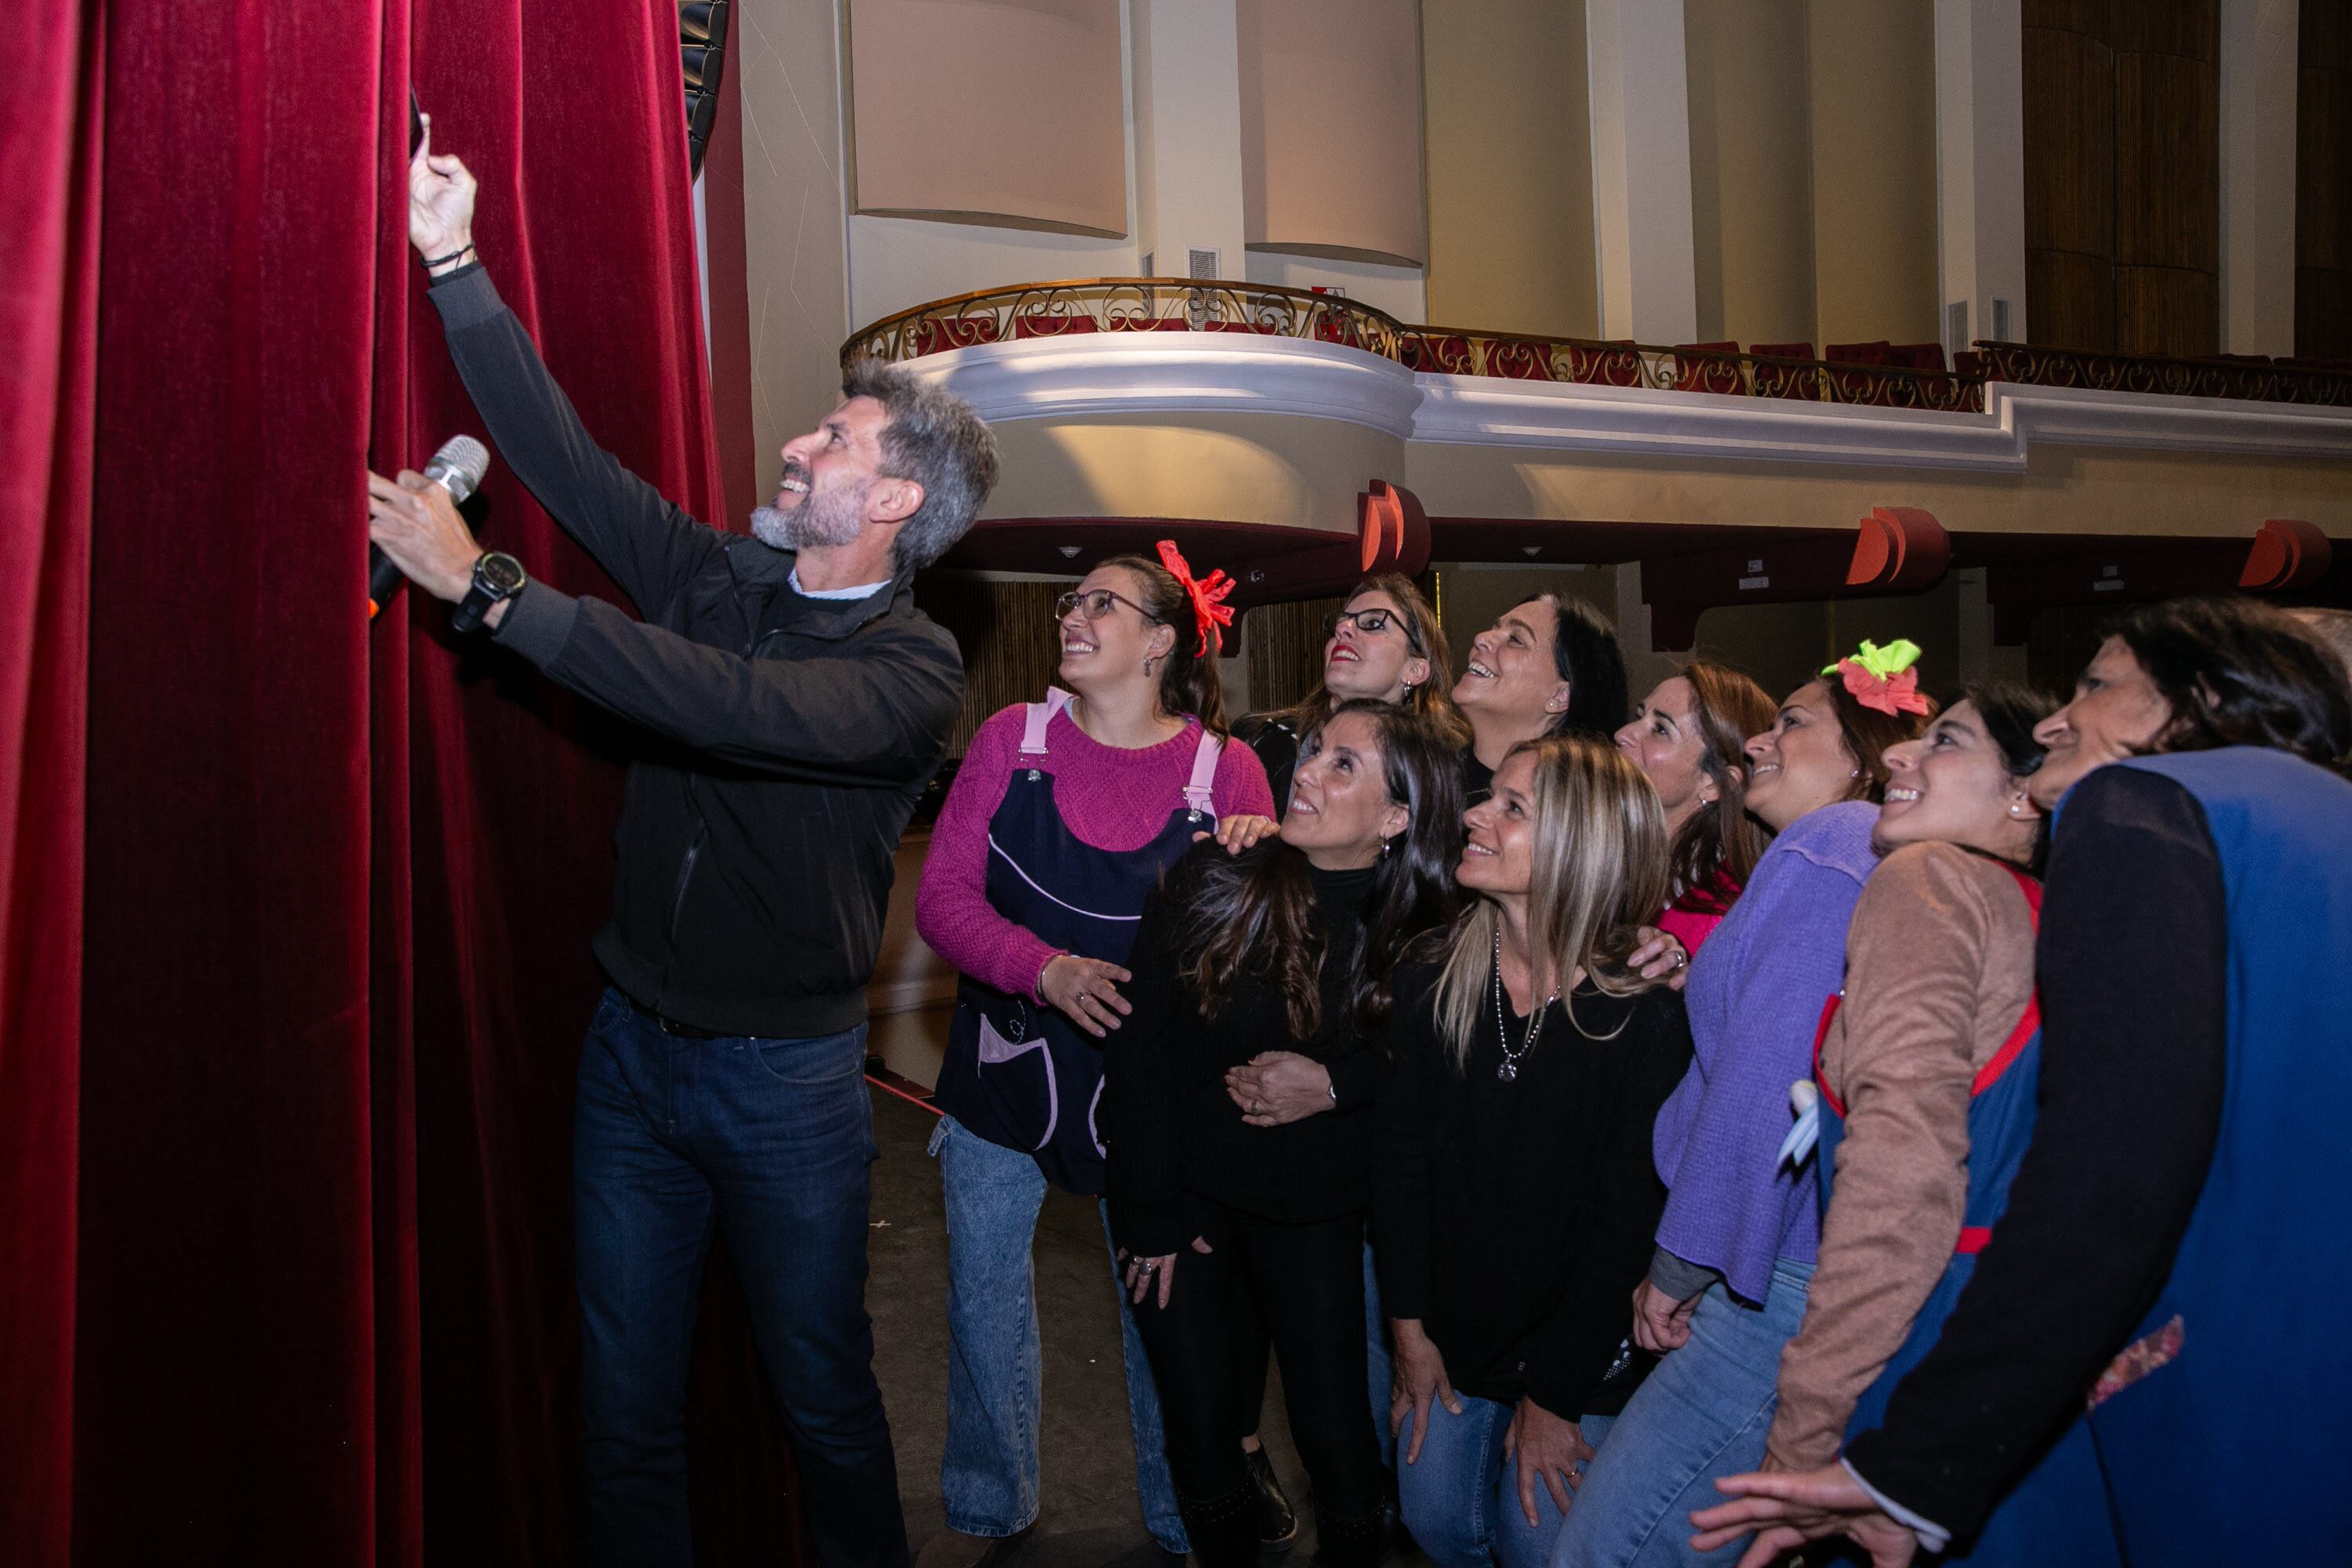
[1510,1070]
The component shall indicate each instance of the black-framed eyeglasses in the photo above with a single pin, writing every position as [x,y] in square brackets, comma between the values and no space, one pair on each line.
[1095,603]
[1373,621]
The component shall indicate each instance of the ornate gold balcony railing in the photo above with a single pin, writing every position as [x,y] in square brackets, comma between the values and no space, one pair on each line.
[1085,305]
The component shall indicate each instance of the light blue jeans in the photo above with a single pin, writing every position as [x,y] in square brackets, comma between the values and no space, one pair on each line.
[1702,1413]
[987,1476]
[1461,1497]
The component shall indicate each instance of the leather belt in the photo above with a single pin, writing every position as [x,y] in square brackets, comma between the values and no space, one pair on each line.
[675,1029]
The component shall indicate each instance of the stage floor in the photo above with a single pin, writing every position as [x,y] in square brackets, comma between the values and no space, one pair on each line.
[1088,1516]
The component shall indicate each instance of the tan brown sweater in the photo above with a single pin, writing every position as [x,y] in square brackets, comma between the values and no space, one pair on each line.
[1939,966]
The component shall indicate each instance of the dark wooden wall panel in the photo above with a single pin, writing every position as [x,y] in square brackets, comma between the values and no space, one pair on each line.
[2069,175]
[2123,180]
[2323,182]
[1286,651]
[1006,633]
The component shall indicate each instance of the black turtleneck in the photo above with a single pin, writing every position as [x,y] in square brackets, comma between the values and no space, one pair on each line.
[1174,1136]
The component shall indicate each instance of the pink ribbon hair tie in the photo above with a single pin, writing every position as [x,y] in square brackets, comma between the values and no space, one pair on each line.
[1210,610]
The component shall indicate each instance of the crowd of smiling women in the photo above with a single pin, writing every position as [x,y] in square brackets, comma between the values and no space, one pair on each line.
[1664,1132]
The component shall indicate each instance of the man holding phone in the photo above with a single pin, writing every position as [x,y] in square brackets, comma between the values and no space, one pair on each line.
[807,703]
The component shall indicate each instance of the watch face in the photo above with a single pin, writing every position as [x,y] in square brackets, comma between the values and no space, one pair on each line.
[500,573]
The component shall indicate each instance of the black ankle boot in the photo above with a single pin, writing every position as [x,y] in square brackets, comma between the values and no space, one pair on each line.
[1277,1521]
[1224,1530]
[1350,1543]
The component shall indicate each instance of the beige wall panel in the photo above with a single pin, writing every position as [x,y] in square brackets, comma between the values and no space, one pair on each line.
[1303,473]
[1509,136]
[1331,127]
[2063,491]
[1751,170]
[795,267]
[1007,108]
[1873,119]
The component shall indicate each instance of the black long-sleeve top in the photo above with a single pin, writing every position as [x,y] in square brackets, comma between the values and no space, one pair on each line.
[2133,963]
[1515,1218]
[754,855]
[1172,1132]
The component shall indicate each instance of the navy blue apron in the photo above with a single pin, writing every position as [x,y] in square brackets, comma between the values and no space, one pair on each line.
[1018,1072]
[2057,1512]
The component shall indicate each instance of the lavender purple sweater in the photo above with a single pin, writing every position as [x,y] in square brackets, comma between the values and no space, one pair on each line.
[1755,997]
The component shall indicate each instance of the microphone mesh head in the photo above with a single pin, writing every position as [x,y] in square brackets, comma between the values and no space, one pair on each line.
[459,465]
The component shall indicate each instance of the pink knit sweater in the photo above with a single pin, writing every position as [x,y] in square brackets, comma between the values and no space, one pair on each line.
[1108,797]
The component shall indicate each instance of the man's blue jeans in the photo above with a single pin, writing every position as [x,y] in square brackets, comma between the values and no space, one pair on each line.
[768,1142]
[989,1474]
[1461,1497]
[1702,1413]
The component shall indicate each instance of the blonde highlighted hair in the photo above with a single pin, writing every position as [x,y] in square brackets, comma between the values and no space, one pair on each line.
[1597,873]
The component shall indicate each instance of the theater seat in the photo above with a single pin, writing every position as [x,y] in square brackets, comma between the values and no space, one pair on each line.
[1785,380]
[1439,354]
[1707,367]
[1519,360]
[940,334]
[1615,364]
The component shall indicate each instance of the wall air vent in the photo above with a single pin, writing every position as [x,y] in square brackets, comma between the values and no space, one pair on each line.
[1201,263]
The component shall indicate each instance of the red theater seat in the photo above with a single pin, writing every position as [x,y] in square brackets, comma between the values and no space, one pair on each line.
[1618,363]
[1917,356]
[1785,380]
[1707,367]
[1045,326]
[938,335]
[1519,360]
[1439,354]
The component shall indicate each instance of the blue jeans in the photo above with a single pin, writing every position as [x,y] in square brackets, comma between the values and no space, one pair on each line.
[1702,1413]
[987,1476]
[1461,1497]
[768,1142]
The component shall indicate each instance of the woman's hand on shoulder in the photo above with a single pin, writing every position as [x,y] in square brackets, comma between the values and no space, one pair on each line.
[1660,956]
[1241,831]
[1279,1087]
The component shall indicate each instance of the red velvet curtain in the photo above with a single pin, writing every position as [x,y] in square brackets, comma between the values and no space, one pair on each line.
[285,1164]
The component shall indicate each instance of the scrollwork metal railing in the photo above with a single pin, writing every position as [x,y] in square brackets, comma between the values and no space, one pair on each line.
[1086,305]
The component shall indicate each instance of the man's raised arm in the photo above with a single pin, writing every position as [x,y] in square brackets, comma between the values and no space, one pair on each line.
[648,546]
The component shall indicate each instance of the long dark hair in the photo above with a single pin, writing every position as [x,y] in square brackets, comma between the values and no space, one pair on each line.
[1254,913]
[2010,712]
[1730,711]
[1585,653]
[1188,679]
[2237,673]
[1427,639]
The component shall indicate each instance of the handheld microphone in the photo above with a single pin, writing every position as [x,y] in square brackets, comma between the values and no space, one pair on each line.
[457,468]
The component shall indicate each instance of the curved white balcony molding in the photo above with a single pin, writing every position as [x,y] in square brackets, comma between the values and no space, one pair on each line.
[1161,373]
[1156,372]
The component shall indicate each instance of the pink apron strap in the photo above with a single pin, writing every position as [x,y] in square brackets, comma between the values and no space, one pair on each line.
[1032,732]
[1198,794]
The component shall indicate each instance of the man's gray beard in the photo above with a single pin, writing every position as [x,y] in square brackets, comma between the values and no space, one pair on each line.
[830,519]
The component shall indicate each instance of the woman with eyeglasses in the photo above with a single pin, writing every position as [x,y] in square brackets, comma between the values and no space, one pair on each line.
[1234,1210]
[1384,644]
[1061,819]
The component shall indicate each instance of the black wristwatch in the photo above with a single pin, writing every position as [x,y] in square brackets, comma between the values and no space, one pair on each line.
[498,577]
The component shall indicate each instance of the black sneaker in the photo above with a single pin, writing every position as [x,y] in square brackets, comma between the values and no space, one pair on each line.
[1277,1521]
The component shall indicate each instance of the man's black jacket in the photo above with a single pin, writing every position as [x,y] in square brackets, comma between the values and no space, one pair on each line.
[754,866]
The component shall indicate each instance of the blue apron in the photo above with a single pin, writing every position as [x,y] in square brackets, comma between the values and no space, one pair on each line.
[2225,1427]
[2057,1514]
[1018,1072]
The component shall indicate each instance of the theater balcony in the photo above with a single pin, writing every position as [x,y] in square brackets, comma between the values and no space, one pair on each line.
[1278,424]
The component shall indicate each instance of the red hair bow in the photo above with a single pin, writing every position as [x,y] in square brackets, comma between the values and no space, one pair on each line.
[1210,610]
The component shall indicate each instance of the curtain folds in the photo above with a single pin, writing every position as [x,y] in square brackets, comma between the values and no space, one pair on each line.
[294,911]
[49,165]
